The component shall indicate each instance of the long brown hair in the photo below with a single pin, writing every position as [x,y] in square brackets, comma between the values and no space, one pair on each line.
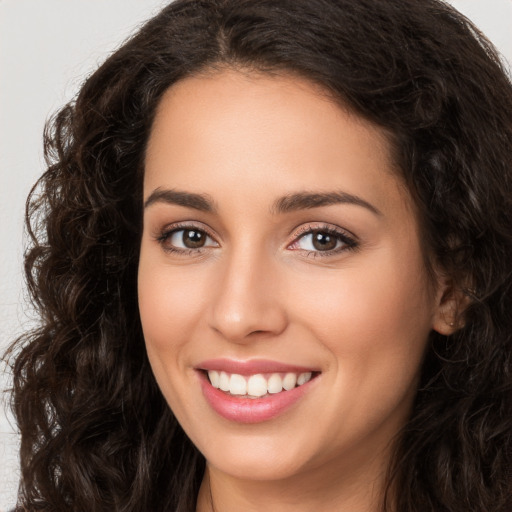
[96,433]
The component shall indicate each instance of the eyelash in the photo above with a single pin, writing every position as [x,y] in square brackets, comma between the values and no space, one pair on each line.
[167,232]
[349,241]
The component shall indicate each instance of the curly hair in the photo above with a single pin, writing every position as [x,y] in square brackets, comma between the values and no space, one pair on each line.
[96,433]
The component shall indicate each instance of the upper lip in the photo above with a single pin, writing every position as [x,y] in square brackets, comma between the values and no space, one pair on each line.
[252,367]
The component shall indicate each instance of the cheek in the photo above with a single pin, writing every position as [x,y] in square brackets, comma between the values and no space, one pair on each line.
[375,320]
[170,306]
[375,325]
[370,305]
[168,302]
[170,310]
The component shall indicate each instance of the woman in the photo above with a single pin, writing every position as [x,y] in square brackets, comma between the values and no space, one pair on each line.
[272,255]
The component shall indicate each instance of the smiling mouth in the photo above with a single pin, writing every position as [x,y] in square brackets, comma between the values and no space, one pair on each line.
[258,385]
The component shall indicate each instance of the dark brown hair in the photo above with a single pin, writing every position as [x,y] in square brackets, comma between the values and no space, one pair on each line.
[96,434]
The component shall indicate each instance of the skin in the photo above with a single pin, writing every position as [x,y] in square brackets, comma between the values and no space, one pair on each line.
[258,289]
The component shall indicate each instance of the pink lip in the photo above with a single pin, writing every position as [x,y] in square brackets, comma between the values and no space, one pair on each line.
[249,410]
[251,367]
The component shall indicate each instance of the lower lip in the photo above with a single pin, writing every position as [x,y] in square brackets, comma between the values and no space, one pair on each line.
[251,410]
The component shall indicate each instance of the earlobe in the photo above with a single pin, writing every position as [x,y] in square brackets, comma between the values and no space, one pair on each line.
[445,320]
[451,305]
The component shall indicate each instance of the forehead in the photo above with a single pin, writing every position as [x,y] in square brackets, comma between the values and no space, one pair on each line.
[268,134]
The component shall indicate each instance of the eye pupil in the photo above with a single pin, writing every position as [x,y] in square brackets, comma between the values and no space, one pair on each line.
[323,241]
[193,238]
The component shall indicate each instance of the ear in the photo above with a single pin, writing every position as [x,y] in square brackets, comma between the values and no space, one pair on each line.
[451,304]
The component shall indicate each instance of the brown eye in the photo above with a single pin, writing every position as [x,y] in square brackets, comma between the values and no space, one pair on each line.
[193,239]
[186,238]
[323,241]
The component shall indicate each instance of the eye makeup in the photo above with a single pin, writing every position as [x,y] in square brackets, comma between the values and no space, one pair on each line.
[312,240]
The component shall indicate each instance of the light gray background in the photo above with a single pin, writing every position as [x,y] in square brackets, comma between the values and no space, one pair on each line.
[47,48]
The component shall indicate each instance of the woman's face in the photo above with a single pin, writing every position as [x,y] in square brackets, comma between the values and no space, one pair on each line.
[282,255]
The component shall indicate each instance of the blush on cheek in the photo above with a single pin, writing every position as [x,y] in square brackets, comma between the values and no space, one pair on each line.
[369,312]
[170,308]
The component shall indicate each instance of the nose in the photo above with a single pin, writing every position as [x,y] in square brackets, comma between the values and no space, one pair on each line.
[248,302]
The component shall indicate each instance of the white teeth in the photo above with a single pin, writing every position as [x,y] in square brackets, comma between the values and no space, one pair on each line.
[275,383]
[237,385]
[224,381]
[257,385]
[214,378]
[303,378]
[289,381]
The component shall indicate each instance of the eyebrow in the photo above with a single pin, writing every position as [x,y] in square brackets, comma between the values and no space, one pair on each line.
[285,204]
[200,202]
[307,200]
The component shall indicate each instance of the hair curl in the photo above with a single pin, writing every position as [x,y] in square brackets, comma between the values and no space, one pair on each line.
[96,433]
